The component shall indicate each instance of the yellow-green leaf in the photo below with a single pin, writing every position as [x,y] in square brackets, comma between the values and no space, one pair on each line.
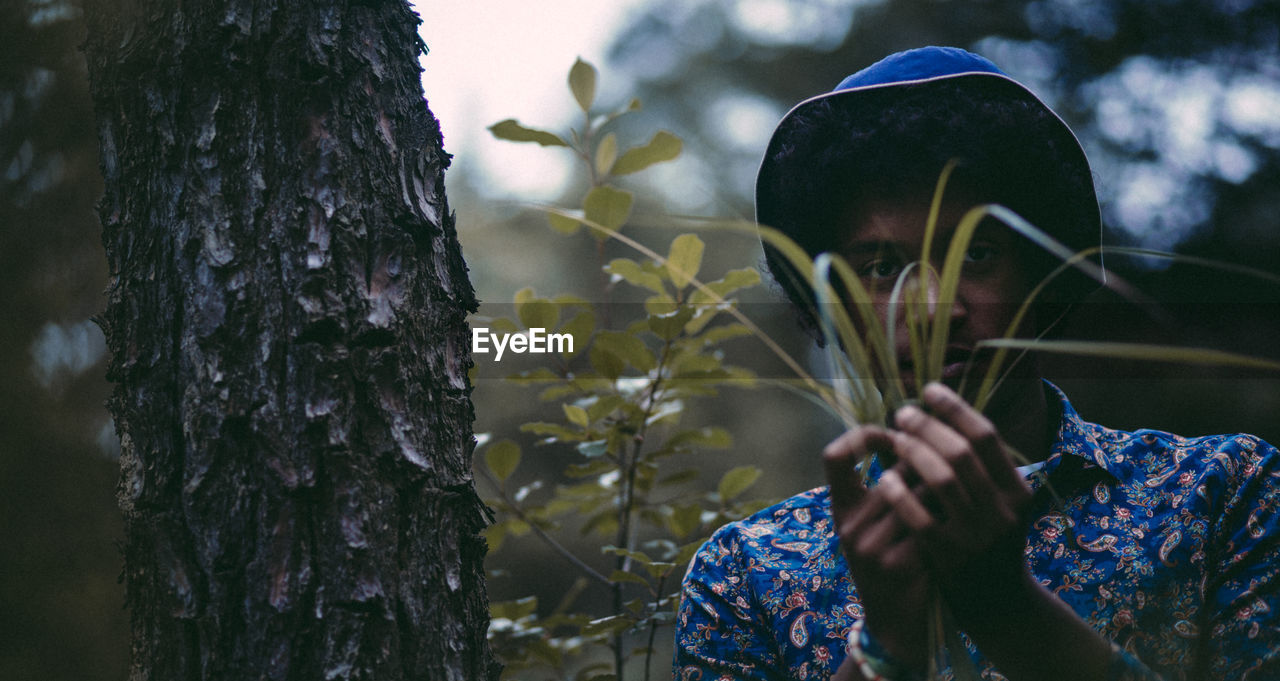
[512,131]
[733,280]
[664,146]
[606,153]
[494,535]
[684,520]
[514,610]
[606,363]
[669,326]
[502,457]
[582,81]
[737,481]
[576,415]
[563,224]
[660,304]
[608,207]
[580,328]
[628,348]
[538,313]
[631,272]
[618,576]
[684,259]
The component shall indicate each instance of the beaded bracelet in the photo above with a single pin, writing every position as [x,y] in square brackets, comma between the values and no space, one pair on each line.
[873,661]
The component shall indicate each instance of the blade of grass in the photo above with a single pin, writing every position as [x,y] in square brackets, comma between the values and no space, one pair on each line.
[1137,351]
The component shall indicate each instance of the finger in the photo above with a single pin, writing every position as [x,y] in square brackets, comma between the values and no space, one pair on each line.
[879,530]
[840,458]
[940,481]
[978,430]
[906,506]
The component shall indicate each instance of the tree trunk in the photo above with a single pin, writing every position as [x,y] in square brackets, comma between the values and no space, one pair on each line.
[286,323]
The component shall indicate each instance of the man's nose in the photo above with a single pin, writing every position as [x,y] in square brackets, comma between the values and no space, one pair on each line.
[934,303]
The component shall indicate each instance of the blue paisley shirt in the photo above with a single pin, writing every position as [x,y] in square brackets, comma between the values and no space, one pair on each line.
[1168,546]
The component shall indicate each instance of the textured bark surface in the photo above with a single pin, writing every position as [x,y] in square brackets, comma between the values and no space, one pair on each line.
[286,322]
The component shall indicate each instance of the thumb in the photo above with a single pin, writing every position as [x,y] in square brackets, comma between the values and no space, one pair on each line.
[840,458]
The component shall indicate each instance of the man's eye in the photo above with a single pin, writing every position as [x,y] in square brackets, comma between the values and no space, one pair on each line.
[981,253]
[880,269]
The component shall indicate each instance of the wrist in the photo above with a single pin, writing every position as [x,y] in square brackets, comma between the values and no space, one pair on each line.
[873,661]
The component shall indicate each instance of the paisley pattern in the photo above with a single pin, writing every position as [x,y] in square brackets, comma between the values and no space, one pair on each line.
[1168,546]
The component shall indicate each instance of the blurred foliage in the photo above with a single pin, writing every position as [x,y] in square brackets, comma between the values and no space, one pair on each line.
[61,607]
[1174,101]
[622,376]
[1170,98]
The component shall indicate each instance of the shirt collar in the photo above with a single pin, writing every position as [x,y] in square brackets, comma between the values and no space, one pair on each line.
[1079,442]
[1078,445]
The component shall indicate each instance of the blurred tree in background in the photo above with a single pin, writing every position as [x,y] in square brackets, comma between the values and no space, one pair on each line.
[61,608]
[1176,101]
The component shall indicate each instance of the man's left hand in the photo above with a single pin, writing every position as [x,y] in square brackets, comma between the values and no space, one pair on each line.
[969,502]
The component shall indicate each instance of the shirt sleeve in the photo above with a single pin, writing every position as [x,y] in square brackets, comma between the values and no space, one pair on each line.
[1242,593]
[719,634]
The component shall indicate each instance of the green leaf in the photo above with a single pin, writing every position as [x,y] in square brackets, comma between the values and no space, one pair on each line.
[514,610]
[724,332]
[605,362]
[582,81]
[606,625]
[563,224]
[512,131]
[627,347]
[551,430]
[604,406]
[737,481]
[538,313]
[638,556]
[502,457]
[576,415]
[684,520]
[664,146]
[684,259]
[733,280]
[660,304]
[716,438]
[608,207]
[669,326]
[494,535]
[606,153]
[631,272]
[619,576]
[580,327]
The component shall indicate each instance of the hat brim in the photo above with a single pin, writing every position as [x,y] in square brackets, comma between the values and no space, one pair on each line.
[768,207]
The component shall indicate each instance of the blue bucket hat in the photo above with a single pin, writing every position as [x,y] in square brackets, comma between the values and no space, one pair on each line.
[918,73]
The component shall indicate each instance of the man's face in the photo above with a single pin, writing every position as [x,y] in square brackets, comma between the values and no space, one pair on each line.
[886,237]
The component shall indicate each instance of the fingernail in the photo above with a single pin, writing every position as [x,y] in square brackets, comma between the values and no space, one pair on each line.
[908,416]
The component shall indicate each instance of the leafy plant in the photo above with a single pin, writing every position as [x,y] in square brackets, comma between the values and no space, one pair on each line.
[622,388]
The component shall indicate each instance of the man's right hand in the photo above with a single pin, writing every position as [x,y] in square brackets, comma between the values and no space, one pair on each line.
[884,556]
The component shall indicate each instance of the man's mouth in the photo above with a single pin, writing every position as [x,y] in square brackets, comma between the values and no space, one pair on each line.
[954,362]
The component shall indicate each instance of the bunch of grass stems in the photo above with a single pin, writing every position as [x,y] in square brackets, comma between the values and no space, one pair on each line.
[866,385]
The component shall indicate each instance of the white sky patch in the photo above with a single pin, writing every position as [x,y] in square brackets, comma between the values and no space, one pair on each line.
[1252,107]
[742,121]
[495,59]
[821,24]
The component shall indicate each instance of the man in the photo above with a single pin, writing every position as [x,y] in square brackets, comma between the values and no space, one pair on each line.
[1145,555]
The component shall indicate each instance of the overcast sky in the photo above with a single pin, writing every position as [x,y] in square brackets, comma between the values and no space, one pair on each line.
[496,59]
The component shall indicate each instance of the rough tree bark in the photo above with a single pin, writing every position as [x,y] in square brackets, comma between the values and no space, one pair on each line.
[286,322]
